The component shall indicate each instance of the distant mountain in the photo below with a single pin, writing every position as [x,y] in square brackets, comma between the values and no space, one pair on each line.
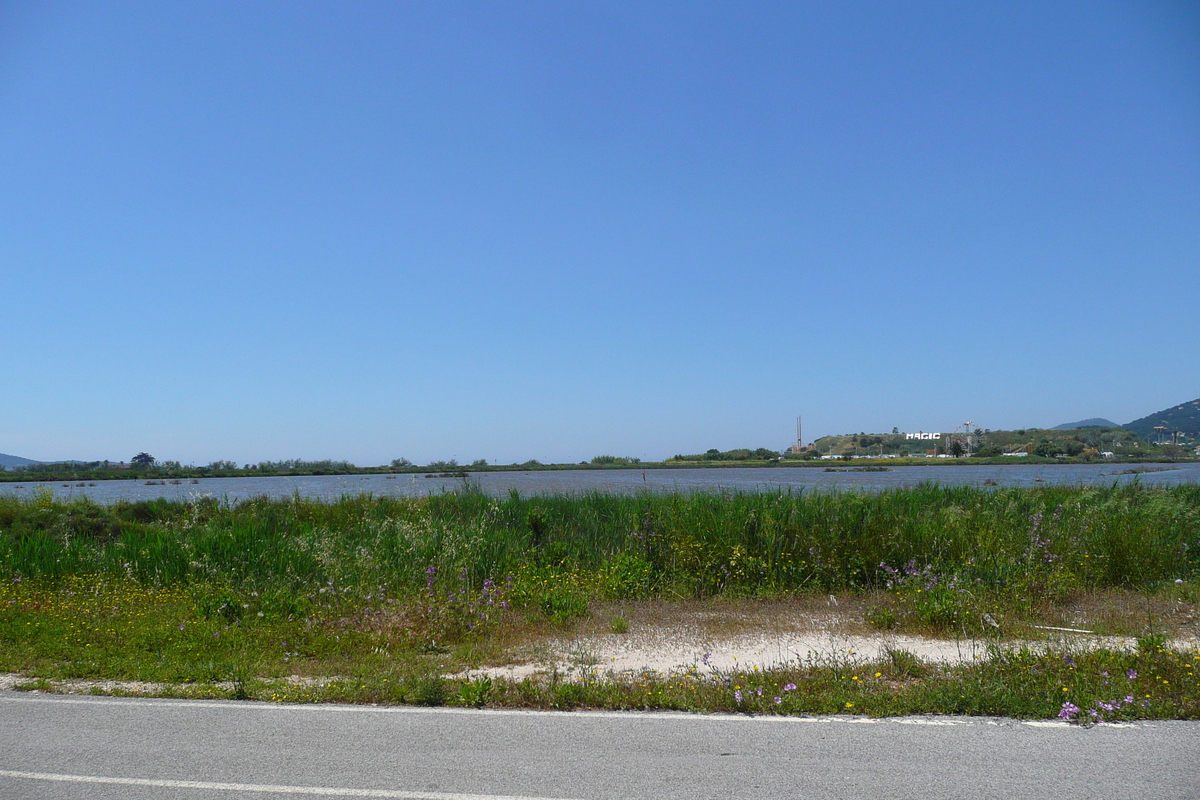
[8,462]
[1184,417]
[1094,422]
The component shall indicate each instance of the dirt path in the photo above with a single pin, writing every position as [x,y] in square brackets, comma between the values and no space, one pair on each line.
[676,637]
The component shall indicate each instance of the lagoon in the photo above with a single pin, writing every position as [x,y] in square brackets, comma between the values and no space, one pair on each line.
[621,481]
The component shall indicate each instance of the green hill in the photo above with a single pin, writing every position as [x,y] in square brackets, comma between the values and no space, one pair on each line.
[1183,417]
[1094,422]
[8,462]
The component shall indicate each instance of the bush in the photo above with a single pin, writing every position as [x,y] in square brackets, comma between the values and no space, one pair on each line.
[627,577]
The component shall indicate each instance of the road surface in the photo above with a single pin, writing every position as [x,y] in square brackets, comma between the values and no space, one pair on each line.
[57,746]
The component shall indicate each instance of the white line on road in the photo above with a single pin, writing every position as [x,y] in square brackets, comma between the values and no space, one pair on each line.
[341,708]
[261,787]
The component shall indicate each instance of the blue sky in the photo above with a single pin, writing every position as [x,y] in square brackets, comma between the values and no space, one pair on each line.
[366,231]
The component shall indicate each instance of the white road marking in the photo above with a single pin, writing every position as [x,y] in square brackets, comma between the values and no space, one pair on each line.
[259,787]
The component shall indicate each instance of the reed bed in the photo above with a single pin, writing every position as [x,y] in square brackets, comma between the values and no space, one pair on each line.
[689,545]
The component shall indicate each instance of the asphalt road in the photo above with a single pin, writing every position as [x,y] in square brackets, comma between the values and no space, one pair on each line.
[54,746]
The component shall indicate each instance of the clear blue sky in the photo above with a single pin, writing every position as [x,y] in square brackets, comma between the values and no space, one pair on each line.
[555,230]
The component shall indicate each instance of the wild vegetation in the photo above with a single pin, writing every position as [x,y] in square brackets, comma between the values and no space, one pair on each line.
[1079,444]
[391,595]
[764,454]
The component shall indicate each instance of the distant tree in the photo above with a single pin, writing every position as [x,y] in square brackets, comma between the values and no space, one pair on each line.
[988,451]
[895,431]
[956,449]
[479,463]
[1047,449]
[400,463]
[142,460]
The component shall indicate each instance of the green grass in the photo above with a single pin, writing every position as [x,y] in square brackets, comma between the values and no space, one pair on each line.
[391,594]
[693,545]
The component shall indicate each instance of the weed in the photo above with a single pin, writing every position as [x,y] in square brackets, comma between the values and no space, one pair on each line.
[1151,643]
[881,617]
[476,692]
[429,690]
[901,663]
[562,606]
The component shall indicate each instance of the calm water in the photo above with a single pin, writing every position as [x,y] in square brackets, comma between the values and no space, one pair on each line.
[331,487]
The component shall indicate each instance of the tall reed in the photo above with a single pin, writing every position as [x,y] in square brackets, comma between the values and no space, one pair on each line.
[696,544]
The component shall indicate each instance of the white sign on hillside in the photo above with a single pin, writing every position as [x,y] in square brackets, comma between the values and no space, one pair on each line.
[922,435]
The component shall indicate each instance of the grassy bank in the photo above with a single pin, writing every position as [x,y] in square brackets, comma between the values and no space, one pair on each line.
[393,594]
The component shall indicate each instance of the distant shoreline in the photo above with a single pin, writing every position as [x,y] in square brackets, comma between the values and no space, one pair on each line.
[465,471]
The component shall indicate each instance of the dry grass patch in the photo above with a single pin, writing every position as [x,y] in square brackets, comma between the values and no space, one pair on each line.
[1168,611]
[726,618]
